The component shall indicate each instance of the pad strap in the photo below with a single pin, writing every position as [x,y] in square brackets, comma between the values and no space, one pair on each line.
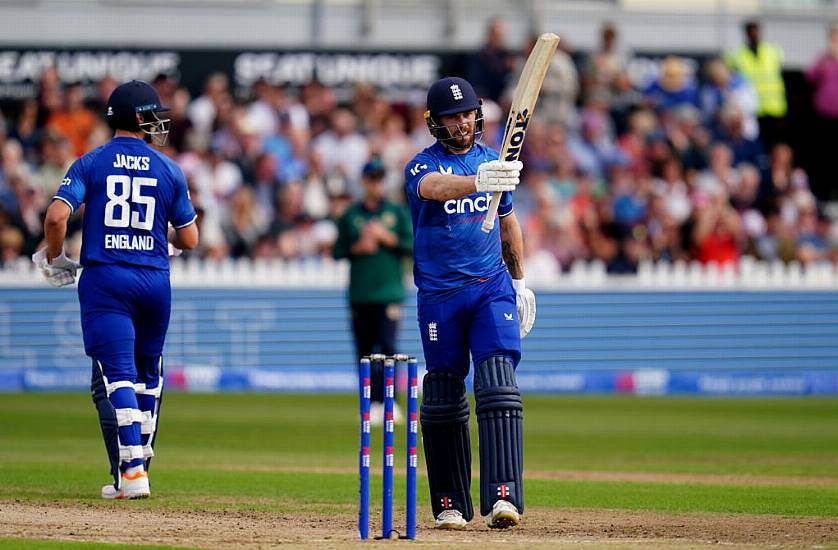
[149,396]
[126,417]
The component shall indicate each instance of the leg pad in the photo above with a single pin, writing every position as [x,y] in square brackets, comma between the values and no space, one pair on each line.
[500,431]
[445,436]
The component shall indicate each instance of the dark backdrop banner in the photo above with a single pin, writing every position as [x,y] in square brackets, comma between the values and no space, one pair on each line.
[21,68]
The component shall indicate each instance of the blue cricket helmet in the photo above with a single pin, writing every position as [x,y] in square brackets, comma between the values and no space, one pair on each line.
[137,97]
[451,95]
[448,96]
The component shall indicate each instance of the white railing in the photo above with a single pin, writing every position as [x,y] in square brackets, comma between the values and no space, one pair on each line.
[750,274]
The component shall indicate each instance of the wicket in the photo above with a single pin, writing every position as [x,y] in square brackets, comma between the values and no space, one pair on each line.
[389,363]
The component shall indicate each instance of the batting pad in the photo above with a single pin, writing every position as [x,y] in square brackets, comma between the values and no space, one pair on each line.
[445,436]
[500,432]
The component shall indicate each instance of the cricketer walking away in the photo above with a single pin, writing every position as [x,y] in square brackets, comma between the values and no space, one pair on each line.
[131,193]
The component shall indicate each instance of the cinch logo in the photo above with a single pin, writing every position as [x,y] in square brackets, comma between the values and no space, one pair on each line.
[468,205]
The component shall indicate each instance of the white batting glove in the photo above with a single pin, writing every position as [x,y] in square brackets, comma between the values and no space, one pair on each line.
[498,175]
[62,270]
[525,304]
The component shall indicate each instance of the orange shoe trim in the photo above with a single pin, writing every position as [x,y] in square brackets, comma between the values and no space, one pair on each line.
[136,476]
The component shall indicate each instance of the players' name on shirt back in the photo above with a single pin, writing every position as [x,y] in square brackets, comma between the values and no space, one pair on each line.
[131,193]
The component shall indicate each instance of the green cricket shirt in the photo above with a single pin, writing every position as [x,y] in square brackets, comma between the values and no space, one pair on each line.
[375,278]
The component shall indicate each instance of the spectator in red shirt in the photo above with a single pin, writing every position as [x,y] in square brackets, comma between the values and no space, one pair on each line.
[718,231]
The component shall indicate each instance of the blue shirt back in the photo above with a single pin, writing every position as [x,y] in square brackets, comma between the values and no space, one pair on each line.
[450,250]
[131,193]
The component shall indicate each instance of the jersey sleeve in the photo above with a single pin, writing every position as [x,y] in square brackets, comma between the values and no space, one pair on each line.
[343,243]
[505,206]
[183,213]
[74,186]
[421,165]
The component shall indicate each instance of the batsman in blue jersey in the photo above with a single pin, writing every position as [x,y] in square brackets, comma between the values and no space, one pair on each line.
[131,193]
[473,302]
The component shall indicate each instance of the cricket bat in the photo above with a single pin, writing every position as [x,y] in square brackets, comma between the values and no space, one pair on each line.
[523,104]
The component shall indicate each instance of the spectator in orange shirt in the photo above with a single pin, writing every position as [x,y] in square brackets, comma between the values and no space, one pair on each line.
[74,121]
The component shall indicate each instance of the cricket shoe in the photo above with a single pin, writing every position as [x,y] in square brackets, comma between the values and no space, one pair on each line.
[134,485]
[450,519]
[504,515]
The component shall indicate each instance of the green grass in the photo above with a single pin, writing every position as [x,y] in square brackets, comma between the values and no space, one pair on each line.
[247,440]
[280,453]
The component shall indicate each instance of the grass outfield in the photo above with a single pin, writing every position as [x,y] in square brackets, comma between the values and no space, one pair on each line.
[280,454]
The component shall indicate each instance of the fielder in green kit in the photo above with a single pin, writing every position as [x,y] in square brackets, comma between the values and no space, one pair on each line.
[376,235]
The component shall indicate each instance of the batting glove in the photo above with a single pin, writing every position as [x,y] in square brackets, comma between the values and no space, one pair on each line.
[498,175]
[525,304]
[62,270]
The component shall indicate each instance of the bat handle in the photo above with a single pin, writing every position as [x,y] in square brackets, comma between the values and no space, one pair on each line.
[492,213]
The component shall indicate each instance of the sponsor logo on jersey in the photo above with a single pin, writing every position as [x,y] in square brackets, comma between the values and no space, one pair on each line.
[418,167]
[131,162]
[467,205]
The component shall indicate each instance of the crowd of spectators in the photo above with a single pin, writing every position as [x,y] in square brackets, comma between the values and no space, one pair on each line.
[671,169]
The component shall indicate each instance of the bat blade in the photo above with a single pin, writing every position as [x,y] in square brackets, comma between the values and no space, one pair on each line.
[520,112]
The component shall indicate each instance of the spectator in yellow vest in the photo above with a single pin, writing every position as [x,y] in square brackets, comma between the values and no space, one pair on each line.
[761,63]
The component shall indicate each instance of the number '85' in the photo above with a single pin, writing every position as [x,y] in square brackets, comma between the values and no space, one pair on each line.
[122,191]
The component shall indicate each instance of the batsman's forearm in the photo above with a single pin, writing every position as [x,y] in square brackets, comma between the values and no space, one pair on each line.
[55,228]
[512,246]
[55,234]
[443,187]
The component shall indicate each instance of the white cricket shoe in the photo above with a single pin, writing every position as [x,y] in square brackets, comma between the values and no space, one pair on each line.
[504,515]
[450,519]
[134,485]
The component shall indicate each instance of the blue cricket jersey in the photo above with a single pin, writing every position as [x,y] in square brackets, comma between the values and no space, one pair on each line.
[130,192]
[450,250]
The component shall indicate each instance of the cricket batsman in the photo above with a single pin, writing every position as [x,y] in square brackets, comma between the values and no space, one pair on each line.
[473,300]
[131,193]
